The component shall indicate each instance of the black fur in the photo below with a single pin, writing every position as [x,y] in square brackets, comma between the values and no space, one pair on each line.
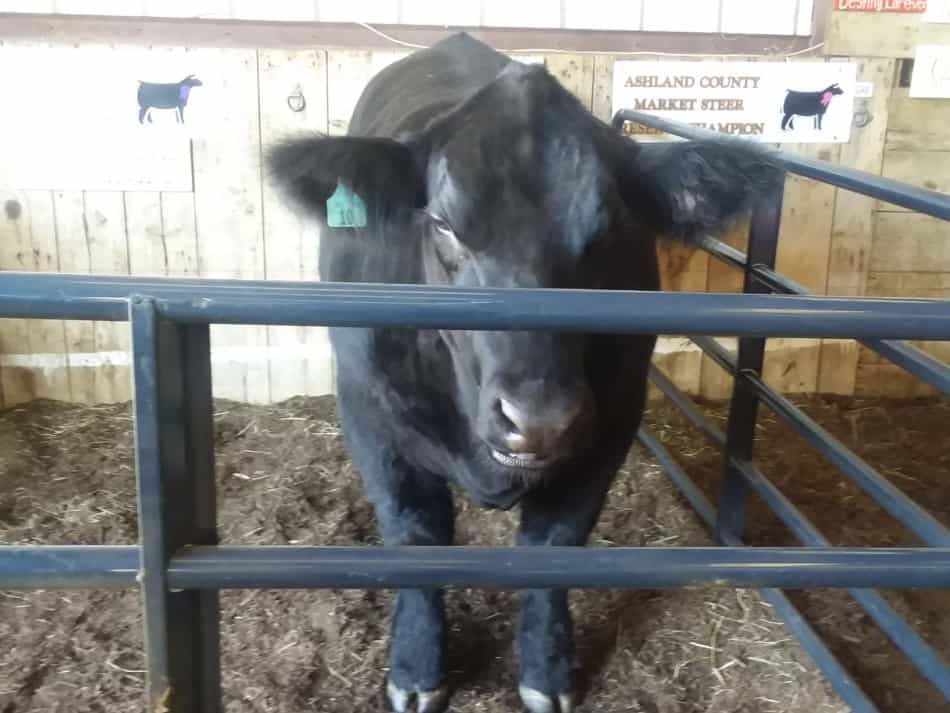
[480,171]
[807,104]
[165,96]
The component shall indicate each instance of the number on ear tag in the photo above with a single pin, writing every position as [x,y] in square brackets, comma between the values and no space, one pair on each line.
[345,209]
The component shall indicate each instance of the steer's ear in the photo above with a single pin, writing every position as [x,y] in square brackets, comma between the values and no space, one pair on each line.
[383,174]
[686,190]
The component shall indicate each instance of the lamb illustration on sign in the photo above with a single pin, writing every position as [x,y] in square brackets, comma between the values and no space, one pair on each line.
[807,104]
[165,96]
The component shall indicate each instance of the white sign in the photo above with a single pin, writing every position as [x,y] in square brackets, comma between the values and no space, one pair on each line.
[937,11]
[772,102]
[931,75]
[82,119]
[863,90]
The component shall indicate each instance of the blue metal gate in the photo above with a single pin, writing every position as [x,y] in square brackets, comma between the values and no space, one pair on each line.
[180,567]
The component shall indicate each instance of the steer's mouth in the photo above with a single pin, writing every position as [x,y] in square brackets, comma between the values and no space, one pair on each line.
[525,461]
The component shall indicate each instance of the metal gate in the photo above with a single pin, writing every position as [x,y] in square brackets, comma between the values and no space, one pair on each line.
[180,567]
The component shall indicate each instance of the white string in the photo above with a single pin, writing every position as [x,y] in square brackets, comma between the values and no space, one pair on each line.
[637,53]
[391,39]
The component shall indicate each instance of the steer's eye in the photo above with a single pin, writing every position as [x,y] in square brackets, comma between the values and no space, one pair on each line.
[441,226]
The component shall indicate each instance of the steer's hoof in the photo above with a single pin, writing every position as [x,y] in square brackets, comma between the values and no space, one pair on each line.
[538,702]
[426,701]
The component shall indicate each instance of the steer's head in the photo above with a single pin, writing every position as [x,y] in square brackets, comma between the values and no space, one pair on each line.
[519,186]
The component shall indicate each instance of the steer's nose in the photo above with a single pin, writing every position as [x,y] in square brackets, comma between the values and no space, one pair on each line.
[539,429]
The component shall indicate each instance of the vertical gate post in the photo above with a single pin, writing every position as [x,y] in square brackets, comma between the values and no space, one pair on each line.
[176,501]
[740,431]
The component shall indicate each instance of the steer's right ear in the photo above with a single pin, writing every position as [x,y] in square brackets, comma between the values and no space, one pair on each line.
[689,189]
[384,174]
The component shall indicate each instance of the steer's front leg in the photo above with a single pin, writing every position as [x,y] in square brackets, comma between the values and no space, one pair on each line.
[415,508]
[561,515]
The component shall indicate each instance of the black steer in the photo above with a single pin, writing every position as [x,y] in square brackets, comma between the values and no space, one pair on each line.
[165,96]
[813,104]
[470,169]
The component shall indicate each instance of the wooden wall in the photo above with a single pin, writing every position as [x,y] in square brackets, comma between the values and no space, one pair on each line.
[905,253]
[233,225]
[910,253]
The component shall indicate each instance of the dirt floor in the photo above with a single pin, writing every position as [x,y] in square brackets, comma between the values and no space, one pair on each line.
[66,477]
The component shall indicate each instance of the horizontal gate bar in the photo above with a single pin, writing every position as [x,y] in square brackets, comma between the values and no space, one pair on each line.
[930,530]
[55,296]
[234,567]
[69,566]
[535,568]
[913,360]
[921,200]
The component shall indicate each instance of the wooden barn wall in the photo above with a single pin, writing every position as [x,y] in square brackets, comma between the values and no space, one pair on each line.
[233,225]
[906,254]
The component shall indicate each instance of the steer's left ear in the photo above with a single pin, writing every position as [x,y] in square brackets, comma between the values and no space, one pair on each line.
[383,174]
[686,190]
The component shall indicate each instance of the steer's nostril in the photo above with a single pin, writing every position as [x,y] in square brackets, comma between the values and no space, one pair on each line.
[534,429]
[512,424]
[512,414]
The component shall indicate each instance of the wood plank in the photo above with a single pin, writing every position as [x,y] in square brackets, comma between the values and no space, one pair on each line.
[923,168]
[682,269]
[300,359]
[576,73]
[889,381]
[161,229]
[853,221]
[180,234]
[107,244]
[69,208]
[853,229]
[348,72]
[917,124]
[47,337]
[909,284]
[803,249]
[227,170]
[807,216]
[603,87]
[16,253]
[876,34]
[877,377]
[910,242]
[148,254]
[716,383]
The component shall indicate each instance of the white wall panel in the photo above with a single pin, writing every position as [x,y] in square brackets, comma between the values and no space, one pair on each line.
[681,15]
[602,14]
[775,17]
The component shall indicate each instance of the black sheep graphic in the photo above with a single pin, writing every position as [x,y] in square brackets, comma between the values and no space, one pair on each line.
[165,96]
[808,104]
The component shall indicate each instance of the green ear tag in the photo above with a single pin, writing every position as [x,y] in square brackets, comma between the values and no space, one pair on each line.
[345,209]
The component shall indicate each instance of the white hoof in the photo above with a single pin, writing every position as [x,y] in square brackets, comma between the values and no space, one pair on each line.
[538,702]
[426,701]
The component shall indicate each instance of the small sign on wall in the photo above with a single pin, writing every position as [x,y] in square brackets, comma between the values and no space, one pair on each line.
[931,76]
[98,118]
[937,11]
[907,6]
[772,102]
